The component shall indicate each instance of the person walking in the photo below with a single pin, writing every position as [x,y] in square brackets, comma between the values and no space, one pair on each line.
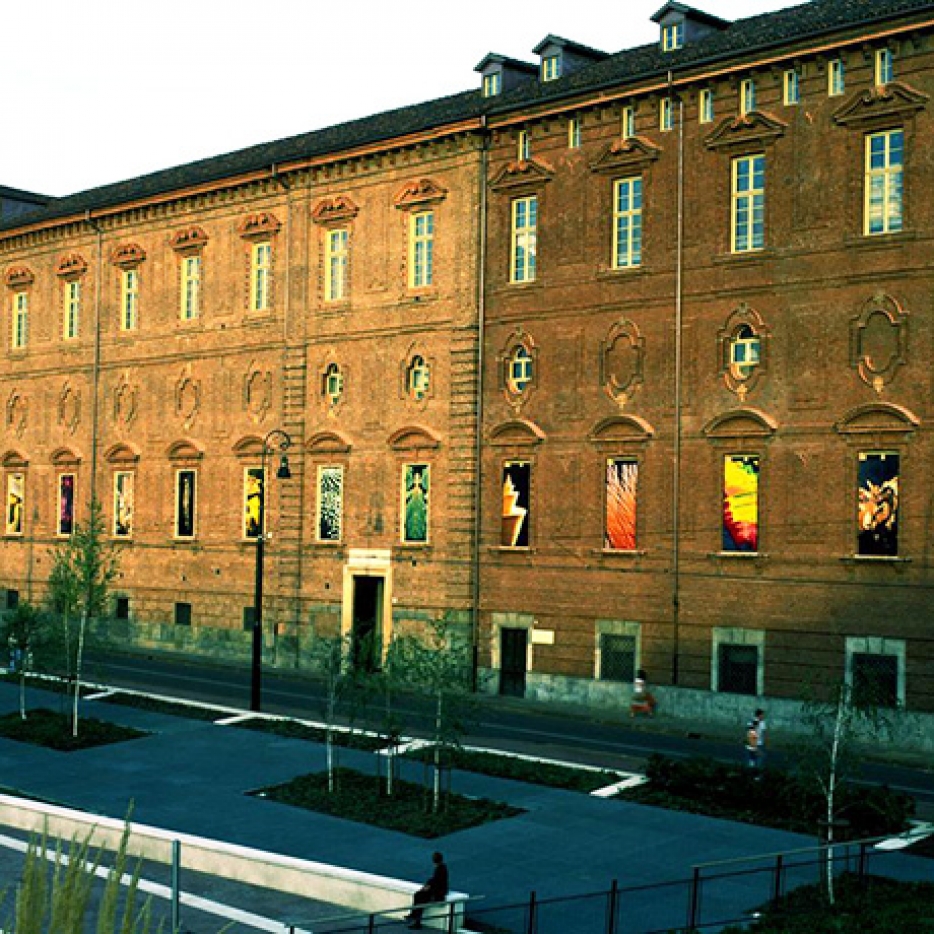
[755,741]
[434,890]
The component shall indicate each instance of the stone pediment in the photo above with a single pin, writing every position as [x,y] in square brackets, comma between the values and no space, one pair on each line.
[184,451]
[419,193]
[887,103]
[128,255]
[335,210]
[65,457]
[189,240]
[747,130]
[18,277]
[259,226]
[522,173]
[878,418]
[516,432]
[414,438]
[71,266]
[741,423]
[625,155]
[122,455]
[622,429]
[15,459]
[328,442]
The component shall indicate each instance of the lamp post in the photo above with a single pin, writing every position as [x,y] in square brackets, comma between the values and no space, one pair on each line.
[279,440]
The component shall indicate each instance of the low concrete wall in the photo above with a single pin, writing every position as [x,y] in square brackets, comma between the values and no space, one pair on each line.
[348,888]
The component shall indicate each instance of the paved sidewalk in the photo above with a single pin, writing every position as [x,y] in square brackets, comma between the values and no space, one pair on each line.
[192,776]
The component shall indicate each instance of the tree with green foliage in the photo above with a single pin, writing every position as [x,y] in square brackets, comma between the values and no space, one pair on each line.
[438,667]
[30,637]
[83,568]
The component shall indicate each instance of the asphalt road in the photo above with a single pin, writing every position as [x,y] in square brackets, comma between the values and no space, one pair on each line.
[496,723]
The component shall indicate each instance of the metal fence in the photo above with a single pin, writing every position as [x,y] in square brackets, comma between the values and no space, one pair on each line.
[717,894]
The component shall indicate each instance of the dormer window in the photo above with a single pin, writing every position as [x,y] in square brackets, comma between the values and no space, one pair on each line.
[673,36]
[492,84]
[551,68]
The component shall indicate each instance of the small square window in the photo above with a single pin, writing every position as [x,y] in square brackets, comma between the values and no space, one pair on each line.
[182,614]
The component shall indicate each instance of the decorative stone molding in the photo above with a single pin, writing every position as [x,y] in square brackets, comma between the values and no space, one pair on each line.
[741,423]
[184,450]
[125,401]
[888,103]
[189,241]
[526,173]
[128,256]
[626,155]
[336,210]
[420,194]
[622,430]
[879,341]
[754,129]
[414,438]
[69,409]
[65,458]
[17,412]
[260,226]
[518,339]
[622,358]
[71,266]
[518,432]
[187,397]
[878,419]
[19,277]
[14,459]
[257,392]
[122,455]
[734,379]
[328,442]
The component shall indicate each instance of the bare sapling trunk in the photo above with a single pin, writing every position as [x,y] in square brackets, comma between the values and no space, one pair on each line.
[78,659]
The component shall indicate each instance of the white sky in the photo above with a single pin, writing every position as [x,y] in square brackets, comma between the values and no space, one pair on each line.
[104,90]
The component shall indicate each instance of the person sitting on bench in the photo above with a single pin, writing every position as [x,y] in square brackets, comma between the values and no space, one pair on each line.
[434,890]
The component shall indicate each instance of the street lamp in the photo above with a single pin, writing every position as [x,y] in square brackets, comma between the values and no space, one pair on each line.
[279,440]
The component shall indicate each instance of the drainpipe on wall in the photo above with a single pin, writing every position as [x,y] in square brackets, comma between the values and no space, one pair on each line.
[478,435]
[676,484]
[96,366]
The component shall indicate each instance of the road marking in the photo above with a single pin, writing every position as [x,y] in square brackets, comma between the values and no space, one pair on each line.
[207,905]
[631,781]
[919,831]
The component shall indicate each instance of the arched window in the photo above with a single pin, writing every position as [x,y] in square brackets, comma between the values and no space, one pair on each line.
[418,374]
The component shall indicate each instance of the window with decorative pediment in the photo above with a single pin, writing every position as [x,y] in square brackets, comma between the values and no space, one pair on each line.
[71,270]
[883,184]
[128,259]
[19,279]
[742,350]
[15,513]
[418,200]
[189,247]
[518,367]
[259,232]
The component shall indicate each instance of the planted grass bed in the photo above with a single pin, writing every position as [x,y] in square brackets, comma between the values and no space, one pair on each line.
[362,798]
[53,730]
[773,798]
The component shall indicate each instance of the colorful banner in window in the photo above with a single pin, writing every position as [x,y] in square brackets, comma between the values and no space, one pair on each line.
[124,504]
[517,477]
[252,501]
[185,490]
[740,503]
[330,503]
[66,503]
[15,492]
[415,503]
[878,504]
[621,478]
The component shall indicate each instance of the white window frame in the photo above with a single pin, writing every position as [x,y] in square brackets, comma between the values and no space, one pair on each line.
[627,223]
[336,260]
[883,195]
[421,249]
[836,77]
[260,272]
[71,311]
[705,106]
[190,272]
[883,67]
[523,258]
[791,88]
[747,204]
[129,299]
[131,483]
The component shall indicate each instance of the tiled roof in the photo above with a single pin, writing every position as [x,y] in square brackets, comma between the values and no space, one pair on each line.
[743,39]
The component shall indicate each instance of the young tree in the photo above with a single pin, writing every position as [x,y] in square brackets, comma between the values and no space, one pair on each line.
[83,568]
[438,668]
[27,634]
[329,654]
[835,726]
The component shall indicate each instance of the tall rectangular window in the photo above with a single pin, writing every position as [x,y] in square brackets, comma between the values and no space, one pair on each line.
[19,332]
[884,182]
[705,106]
[551,68]
[523,146]
[574,133]
[330,519]
[836,81]
[791,88]
[622,478]
[260,270]
[883,66]
[877,504]
[191,287]
[253,504]
[124,503]
[672,36]
[627,122]
[515,518]
[740,503]
[524,239]
[492,84]
[415,502]
[71,310]
[617,657]
[627,223]
[186,486]
[666,111]
[748,210]
[421,249]
[335,264]
[129,299]
[747,96]
[15,503]
[65,523]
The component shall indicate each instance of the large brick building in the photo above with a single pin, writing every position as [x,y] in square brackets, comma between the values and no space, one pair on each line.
[617,361]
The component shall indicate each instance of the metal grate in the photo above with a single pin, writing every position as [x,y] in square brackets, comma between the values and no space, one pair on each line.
[737,669]
[617,657]
[182,614]
[875,679]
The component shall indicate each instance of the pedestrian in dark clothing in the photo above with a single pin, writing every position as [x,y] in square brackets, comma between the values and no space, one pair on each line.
[434,890]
